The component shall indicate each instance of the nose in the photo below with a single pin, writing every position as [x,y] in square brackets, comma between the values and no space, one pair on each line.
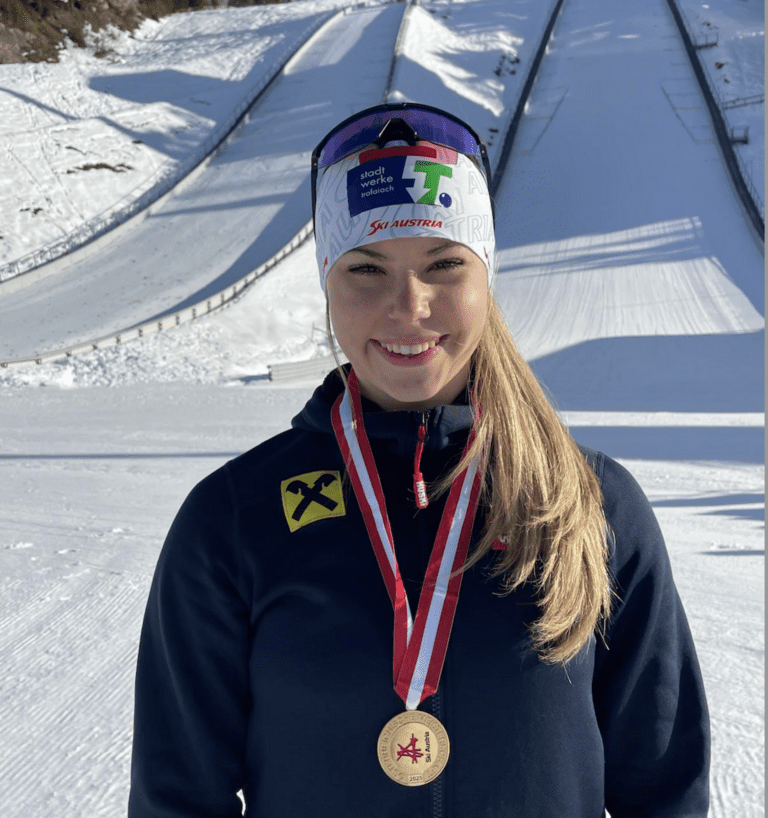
[410,299]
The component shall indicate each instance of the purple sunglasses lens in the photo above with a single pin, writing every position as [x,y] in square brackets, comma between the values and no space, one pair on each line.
[429,126]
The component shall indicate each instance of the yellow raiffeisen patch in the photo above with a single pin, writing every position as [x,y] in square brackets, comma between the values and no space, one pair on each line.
[312,496]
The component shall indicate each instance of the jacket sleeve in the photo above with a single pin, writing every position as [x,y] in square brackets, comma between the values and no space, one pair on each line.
[192,686]
[648,691]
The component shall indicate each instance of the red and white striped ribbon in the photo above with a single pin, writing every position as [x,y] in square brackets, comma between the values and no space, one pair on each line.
[420,645]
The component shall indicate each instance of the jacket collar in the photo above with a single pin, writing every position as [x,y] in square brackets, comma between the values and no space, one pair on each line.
[446,425]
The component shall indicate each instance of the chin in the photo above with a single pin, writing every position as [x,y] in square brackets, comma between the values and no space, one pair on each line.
[413,396]
[415,399]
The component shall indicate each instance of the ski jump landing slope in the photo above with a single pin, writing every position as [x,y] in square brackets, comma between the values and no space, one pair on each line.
[633,283]
[628,272]
[251,200]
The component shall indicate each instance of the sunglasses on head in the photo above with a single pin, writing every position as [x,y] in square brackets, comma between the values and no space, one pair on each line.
[405,121]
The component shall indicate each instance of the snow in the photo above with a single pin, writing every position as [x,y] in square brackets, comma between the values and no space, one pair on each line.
[266,164]
[736,67]
[143,110]
[627,273]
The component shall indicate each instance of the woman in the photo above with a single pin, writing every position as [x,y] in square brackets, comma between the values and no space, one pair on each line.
[423,599]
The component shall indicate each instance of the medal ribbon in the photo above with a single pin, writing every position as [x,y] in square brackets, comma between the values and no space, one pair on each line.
[419,646]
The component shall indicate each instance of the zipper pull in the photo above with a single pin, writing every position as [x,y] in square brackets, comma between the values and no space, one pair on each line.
[419,487]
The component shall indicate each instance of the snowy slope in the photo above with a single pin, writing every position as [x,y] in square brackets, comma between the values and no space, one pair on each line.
[253,197]
[93,477]
[736,66]
[620,222]
[633,283]
[625,278]
[85,136]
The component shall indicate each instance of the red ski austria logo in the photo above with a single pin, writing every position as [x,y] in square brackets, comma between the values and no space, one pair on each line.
[377,224]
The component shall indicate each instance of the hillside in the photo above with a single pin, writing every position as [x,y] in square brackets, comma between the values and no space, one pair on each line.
[35,30]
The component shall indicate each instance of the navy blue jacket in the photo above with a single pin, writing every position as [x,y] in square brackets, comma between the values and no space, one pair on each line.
[265,661]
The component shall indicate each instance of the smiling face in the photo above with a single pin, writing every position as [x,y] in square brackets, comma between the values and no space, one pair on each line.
[409,314]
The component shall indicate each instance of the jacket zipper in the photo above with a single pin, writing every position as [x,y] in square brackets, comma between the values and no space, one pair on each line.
[437,784]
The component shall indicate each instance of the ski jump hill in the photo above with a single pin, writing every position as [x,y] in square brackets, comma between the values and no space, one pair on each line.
[630,272]
[621,235]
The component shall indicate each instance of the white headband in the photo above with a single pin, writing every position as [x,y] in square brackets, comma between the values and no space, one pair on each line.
[403,191]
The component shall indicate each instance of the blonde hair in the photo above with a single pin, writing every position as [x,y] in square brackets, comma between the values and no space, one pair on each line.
[543,499]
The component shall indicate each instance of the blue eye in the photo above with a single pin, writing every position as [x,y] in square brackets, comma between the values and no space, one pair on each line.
[448,263]
[364,269]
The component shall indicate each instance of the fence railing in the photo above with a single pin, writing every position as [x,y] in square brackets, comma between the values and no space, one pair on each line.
[734,134]
[204,307]
[398,49]
[741,102]
[296,370]
[513,123]
[706,39]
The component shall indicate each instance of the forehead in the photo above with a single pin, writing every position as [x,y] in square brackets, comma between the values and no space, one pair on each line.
[408,246]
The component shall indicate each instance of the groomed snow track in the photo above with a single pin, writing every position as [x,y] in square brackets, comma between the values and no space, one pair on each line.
[753,207]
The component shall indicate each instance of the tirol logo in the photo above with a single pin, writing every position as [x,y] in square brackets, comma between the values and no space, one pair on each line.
[397,180]
[310,497]
[424,191]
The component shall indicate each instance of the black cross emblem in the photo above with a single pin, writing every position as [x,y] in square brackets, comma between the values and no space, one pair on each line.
[312,494]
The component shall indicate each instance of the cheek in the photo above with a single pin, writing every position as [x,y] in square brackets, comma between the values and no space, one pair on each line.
[471,311]
[349,317]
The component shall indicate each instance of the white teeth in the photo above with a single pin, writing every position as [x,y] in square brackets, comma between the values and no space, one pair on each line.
[402,349]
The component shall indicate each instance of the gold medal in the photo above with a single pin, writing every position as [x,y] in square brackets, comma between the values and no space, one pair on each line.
[413,748]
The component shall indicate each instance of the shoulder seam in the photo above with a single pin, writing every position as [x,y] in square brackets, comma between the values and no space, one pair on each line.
[596,461]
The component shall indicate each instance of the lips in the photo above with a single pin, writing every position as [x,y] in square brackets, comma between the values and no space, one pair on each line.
[410,351]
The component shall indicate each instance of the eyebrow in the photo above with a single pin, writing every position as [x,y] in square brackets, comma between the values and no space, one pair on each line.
[373,254]
[440,247]
[366,252]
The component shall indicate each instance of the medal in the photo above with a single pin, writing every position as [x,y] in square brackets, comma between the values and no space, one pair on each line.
[420,645]
[413,748]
